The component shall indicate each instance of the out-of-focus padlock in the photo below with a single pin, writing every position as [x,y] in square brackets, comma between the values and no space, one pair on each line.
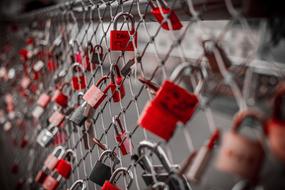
[64,165]
[78,78]
[97,55]
[87,64]
[111,185]
[45,137]
[51,65]
[165,16]
[88,134]
[42,103]
[59,97]
[94,96]
[196,164]
[56,118]
[78,184]
[166,172]
[212,49]
[240,155]
[50,164]
[52,181]
[275,126]
[102,172]
[122,137]
[38,69]
[81,112]
[123,40]
[116,85]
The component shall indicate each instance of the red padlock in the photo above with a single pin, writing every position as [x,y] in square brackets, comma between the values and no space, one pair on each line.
[56,118]
[37,69]
[123,40]
[51,65]
[94,96]
[240,155]
[122,137]
[117,82]
[163,15]
[51,182]
[64,165]
[50,163]
[276,125]
[78,77]
[59,97]
[110,184]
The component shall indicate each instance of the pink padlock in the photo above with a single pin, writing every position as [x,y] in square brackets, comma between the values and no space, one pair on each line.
[56,118]
[240,155]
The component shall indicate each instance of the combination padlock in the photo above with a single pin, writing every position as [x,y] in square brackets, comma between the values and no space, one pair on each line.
[165,16]
[275,126]
[123,40]
[49,164]
[59,97]
[116,85]
[197,162]
[241,155]
[110,184]
[78,184]
[56,119]
[78,80]
[122,138]
[166,172]
[42,103]
[94,96]
[102,172]
[45,137]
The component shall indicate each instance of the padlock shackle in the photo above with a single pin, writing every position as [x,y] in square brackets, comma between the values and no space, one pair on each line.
[71,153]
[112,155]
[99,48]
[241,116]
[77,65]
[279,103]
[56,149]
[149,84]
[53,129]
[116,119]
[125,171]
[122,14]
[103,79]
[158,151]
[77,184]
[79,96]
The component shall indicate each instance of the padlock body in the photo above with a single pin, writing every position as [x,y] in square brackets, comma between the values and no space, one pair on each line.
[44,138]
[174,20]
[94,96]
[64,168]
[119,40]
[276,137]
[60,99]
[43,100]
[51,162]
[109,186]
[176,100]
[126,146]
[96,57]
[56,118]
[50,183]
[100,173]
[41,176]
[118,95]
[240,156]
[78,82]
[157,121]
[37,112]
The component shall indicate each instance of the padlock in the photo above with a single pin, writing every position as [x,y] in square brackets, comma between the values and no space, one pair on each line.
[102,172]
[122,138]
[45,137]
[64,165]
[42,103]
[122,40]
[158,186]
[275,126]
[197,162]
[117,86]
[51,65]
[88,134]
[87,64]
[56,118]
[59,97]
[97,55]
[94,96]
[240,155]
[166,172]
[37,69]
[78,184]
[49,164]
[164,14]
[52,181]
[110,184]
[78,77]
[60,137]
[80,114]
[211,50]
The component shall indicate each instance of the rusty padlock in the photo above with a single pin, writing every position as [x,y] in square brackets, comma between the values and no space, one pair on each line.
[241,155]
[78,80]
[165,16]
[59,97]
[275,126]
[122,137]
[116,85]
[94,96]
[123,40]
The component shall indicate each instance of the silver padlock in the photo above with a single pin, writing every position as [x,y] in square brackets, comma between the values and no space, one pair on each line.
[46,135]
